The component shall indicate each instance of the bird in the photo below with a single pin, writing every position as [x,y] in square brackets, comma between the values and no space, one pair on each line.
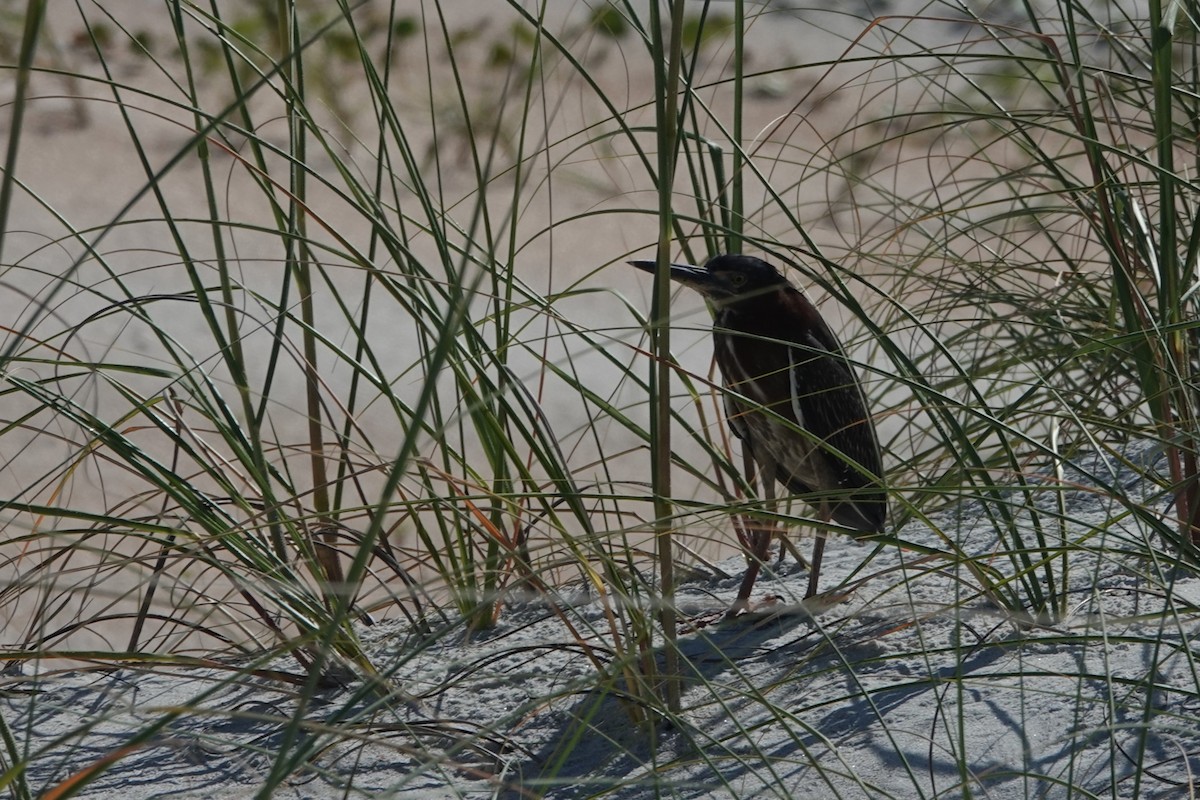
[793,400]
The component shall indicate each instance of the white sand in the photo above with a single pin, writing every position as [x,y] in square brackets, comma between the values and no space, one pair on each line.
[892,693]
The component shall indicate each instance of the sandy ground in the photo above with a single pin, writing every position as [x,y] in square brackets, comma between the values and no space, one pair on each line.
[901,689]
[906,688]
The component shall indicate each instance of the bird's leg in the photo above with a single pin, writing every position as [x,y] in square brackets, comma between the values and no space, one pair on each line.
[760,533]
[744,523]
[766,530]
[814,571]
[786,546]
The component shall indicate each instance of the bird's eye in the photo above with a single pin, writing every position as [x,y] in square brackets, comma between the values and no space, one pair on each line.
[737,278]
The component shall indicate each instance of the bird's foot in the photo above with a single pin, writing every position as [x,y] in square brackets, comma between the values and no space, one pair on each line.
[698,622]
[820,602]
[744,608]
[741,610]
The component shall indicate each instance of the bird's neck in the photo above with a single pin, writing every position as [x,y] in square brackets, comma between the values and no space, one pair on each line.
[750,313]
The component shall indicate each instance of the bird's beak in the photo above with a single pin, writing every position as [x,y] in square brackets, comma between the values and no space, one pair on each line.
[696,277]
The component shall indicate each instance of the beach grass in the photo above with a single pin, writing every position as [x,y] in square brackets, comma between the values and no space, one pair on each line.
[346,335]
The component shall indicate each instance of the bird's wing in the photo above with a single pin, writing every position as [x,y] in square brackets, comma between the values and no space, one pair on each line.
[827,401]
[733,415]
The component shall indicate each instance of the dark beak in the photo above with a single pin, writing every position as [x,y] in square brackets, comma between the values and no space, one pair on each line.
[696,277]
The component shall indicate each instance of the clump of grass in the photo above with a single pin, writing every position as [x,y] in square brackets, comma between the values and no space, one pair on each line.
[391,364]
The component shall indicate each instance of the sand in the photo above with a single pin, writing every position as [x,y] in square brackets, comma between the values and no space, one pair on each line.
[898,688]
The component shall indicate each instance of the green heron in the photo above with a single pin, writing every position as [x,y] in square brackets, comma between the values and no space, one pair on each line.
[792,399]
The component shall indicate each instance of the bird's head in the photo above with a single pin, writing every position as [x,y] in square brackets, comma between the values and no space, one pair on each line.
[725,279]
